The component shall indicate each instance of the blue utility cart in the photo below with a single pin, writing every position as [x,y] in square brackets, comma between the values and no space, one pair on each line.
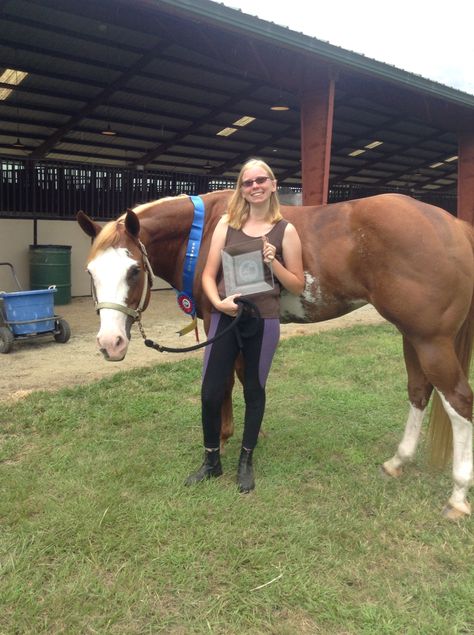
[26,314]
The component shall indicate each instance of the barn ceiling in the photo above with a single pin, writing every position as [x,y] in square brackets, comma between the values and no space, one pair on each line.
[166,77]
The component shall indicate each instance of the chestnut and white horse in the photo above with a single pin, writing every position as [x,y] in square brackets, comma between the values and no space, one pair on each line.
[413,262]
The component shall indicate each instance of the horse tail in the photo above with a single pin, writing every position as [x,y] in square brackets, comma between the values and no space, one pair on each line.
[440,438]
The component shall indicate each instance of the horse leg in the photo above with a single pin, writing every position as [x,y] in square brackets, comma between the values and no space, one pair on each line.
[419,392]
[441,365]
[458,505]
[227,417]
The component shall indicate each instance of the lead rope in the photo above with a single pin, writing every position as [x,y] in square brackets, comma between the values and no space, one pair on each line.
[244,306]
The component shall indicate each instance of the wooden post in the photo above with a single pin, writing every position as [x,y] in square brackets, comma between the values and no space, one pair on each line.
[317,113]
[466,177]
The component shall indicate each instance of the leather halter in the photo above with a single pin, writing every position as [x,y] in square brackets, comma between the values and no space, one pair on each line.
[123,308]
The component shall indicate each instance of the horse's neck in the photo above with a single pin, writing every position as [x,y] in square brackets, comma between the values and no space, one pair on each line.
[166,228]
[164,234]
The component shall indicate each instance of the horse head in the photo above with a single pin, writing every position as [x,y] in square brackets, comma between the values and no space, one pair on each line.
[121,279]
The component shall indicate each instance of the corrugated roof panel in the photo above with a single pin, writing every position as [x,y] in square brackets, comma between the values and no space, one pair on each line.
[208,69]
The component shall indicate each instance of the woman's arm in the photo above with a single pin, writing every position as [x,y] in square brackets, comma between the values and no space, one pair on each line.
[211,269]
[291,274]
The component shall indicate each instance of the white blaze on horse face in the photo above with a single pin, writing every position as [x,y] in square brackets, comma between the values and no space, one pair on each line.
[109,273]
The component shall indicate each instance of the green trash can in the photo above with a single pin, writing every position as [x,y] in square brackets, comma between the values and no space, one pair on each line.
[51,265]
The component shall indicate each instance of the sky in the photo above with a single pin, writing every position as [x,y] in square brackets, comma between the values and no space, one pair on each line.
[431,38]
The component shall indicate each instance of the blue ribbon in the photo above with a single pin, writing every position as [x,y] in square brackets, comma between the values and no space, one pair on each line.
[185,297]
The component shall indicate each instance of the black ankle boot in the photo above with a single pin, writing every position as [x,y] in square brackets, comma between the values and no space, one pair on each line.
[210,468]
[245,479]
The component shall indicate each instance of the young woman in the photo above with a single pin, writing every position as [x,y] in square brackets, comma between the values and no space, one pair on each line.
[254,212]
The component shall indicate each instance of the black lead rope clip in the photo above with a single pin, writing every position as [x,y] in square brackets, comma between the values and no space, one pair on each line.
[247,309]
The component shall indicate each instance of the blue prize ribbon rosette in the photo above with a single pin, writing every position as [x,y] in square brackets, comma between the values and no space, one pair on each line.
[186,303]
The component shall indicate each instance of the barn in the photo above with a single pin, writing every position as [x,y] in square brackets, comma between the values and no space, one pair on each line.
[108,104]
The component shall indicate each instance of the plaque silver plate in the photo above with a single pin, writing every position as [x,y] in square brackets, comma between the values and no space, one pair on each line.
[244,269]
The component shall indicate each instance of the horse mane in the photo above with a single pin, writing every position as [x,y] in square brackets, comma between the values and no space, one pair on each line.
[111,234]
[139,209]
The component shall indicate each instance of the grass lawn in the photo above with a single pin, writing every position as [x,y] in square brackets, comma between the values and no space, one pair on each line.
[98,534]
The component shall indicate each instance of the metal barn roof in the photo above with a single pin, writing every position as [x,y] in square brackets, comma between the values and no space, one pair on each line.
[168,75]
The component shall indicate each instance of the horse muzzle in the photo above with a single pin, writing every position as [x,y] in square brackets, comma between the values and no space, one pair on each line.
[114,335]
[110,359]
[113,346]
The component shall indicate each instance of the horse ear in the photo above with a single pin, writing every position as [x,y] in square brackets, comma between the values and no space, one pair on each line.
[132,224]
[87,224]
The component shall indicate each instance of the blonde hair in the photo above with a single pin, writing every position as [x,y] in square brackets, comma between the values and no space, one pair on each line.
[238,209]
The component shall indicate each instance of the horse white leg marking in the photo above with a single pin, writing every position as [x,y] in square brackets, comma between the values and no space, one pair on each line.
[408,444]
[462,458]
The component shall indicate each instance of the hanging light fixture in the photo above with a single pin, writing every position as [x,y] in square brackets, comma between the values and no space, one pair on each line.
[280,104]
[108,132]
[18,144]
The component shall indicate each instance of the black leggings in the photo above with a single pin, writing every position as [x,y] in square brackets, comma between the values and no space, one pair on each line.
[258,350]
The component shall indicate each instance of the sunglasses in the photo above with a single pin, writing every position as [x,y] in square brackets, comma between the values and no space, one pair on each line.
[260,180]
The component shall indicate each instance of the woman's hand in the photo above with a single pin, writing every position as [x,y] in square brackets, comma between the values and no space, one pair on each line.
[228,306]
[290,274]
[268,250]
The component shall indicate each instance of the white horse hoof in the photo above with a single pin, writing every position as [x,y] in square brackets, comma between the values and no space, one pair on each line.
[457,513]
[389,470]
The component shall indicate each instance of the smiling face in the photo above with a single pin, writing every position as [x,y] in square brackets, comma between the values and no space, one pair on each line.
[257,185]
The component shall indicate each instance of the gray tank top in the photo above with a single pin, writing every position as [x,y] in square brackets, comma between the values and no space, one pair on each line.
[267,302]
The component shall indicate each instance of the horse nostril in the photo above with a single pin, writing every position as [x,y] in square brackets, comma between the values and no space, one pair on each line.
[118,341]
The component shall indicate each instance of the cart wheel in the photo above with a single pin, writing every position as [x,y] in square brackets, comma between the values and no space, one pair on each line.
[64,331]
[6,339]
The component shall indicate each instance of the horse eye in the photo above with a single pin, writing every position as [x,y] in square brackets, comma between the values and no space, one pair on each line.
[133,273]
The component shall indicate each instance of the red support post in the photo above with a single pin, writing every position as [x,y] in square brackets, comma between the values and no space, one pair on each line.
[466,177]
[317,113]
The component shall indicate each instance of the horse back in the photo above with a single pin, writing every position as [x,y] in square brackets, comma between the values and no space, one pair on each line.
[390,250]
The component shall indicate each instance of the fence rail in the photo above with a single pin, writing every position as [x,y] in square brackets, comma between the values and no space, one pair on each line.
[52,190]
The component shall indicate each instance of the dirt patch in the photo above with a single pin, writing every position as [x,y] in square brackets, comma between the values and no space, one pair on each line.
[40,363]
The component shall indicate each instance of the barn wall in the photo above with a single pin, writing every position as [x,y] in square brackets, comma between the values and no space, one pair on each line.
[17,235]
